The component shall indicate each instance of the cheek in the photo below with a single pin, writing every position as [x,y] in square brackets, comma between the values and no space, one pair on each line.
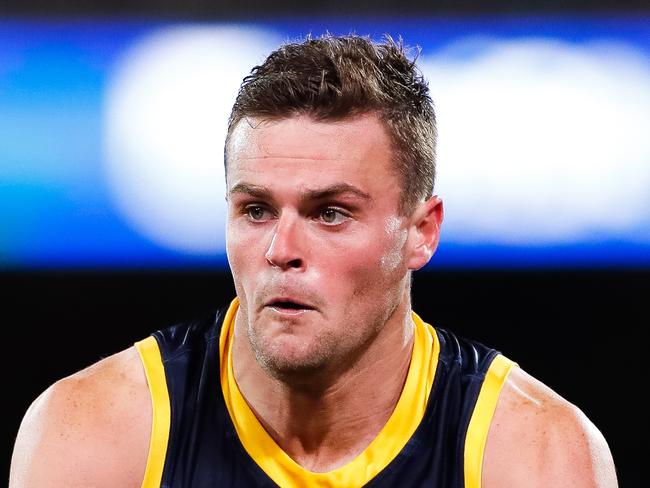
[242,240]
[241,249]
[369,266]
[232,248]
[392,257]
[380,251]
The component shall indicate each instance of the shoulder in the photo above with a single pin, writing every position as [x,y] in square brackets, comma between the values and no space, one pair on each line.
[538,439]
[90,429]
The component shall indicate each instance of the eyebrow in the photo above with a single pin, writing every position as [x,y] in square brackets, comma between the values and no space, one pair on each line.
[331,191]
[252,190]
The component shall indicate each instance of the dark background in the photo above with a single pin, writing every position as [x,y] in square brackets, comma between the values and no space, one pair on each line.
[578,331]
[255,9]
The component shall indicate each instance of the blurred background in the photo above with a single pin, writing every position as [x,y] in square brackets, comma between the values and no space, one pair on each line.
[112,211]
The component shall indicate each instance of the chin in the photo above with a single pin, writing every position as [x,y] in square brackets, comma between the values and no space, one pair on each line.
[291,371]
[289,359]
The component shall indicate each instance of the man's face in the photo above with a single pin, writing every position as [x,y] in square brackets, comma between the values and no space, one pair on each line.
[314,238]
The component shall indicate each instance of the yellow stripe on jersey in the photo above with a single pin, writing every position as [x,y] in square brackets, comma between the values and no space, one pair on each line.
[401,425]
[479,424]
[161,415]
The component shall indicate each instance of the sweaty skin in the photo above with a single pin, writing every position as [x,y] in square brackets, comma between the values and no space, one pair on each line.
[321,261]
[313,218]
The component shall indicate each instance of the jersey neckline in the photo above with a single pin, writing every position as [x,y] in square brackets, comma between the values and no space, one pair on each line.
[383,449]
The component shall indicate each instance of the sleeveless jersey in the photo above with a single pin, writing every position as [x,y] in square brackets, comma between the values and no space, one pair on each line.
[204,434]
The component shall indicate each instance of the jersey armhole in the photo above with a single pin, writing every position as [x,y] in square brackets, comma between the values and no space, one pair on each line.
[161,411]
[479,424]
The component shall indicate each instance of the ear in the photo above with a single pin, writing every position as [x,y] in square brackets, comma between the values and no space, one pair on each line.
[424,232]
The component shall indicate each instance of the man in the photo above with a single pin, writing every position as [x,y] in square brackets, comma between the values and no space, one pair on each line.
[319,373]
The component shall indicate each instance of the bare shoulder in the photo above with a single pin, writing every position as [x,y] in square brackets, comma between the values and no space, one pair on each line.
[89,429]
[538,439]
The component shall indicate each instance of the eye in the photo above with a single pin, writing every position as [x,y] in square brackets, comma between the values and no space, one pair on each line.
[332,216]
[257,213]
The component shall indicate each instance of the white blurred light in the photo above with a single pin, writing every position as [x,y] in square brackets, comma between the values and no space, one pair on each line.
[166,114]
[542,142]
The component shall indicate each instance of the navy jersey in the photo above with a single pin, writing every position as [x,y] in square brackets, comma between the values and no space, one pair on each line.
[204,434]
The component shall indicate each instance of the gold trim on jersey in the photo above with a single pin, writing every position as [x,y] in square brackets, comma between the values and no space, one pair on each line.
[400,427]
[161,414]
[479,424]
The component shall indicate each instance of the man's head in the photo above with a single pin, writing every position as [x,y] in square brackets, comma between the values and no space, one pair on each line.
[334,78]
[318,239]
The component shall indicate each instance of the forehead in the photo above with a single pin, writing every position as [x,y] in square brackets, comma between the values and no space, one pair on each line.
[299,148]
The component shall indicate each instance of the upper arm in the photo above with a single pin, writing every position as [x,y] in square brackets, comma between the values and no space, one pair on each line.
[538,439]
[88,430]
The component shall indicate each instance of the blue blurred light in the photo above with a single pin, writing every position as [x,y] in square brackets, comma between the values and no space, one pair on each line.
[57,209]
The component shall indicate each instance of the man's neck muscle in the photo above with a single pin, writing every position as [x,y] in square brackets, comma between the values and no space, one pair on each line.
[323,430]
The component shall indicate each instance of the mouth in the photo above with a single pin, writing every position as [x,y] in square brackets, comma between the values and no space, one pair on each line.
[289,306]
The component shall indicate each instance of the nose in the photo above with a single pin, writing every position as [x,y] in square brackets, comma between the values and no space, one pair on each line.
[285,249]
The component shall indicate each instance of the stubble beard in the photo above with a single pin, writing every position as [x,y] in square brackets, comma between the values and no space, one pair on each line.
[293,368]
[324,360]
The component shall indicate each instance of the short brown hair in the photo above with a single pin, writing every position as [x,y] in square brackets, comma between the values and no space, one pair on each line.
[334,78]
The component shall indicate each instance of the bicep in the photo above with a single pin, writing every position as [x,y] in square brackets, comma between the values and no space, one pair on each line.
[76,434]
[55,446]
[538,439]
[583,452]
[575,452]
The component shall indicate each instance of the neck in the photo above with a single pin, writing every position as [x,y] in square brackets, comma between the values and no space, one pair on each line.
[327,424]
